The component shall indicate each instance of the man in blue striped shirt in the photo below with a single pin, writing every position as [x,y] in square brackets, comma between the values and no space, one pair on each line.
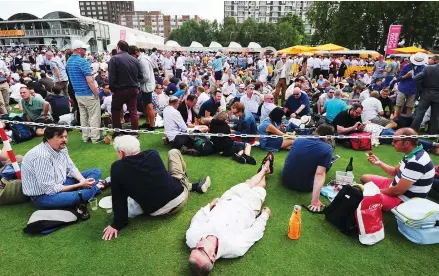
[413,177]
[86,92]
[51,178]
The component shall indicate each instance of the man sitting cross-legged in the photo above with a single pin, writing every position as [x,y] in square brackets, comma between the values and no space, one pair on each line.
[413,177]
[142,176]
[230,225]
[51,179]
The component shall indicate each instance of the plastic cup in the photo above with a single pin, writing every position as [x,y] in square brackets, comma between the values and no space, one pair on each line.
[109,210]
[93,203]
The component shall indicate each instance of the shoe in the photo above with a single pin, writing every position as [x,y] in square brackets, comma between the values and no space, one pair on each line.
[249,160]
[187,151]
[100,140]
[144,125]
[203,185]
[239,158]
[150,128]
[106,182]
[268,157]
[165,141]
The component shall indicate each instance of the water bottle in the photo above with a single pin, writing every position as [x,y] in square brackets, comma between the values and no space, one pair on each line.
[82,208]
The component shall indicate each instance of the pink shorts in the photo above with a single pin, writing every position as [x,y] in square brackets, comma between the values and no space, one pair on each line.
[389,202]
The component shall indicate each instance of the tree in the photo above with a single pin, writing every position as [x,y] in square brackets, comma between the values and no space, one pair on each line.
[364,24]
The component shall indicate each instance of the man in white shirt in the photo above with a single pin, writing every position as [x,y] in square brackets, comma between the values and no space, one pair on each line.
[250,101]
[179,65]
[373,111]
[228,75]
[228,88]
[267,106]
[325,67]
[309,67]
[202,97]
[167,65]
[227,227]
[317,65]
[174,124]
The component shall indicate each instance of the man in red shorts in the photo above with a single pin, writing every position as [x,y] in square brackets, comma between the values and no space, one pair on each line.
[413,177]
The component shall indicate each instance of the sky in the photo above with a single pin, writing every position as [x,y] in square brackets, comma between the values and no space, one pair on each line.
[206,9]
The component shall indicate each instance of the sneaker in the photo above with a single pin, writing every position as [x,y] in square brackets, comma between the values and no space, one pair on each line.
[187,151]
[144,125]
[100,140]
[203,185]
[239,158]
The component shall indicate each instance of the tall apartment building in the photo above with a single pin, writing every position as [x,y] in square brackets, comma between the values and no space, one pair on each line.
[159,23]
[267,11]
[105,10]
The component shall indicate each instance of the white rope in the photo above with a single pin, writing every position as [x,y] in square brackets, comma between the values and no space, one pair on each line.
[128,131]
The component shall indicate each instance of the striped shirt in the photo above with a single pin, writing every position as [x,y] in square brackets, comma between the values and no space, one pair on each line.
[418,169]
[44,170]
[78,68]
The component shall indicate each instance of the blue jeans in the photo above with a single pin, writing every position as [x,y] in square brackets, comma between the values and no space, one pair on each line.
[427,145]
[68,199]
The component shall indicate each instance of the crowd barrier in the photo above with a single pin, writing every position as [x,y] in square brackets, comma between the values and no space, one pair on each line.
[192,133]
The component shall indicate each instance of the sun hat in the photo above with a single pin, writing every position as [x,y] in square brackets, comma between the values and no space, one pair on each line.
[418,58]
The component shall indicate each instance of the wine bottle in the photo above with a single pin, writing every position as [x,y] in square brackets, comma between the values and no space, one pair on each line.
[82,207]
[350,168]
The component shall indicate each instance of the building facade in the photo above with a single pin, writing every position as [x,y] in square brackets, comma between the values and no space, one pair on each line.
[154,21]
[59,29]
[267,11]
[105,10]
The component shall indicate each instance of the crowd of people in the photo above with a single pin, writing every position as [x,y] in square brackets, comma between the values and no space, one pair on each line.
[219,93]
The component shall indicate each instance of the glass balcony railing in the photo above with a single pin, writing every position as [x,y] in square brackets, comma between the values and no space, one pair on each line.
[54,32]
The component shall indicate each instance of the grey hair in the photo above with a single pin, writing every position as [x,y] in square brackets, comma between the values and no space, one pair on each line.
[338,93]
[127,144]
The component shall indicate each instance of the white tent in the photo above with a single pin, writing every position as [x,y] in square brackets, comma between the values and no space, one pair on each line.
[215,44]
[172,43]
[195,44]
[234,45]
[254,45]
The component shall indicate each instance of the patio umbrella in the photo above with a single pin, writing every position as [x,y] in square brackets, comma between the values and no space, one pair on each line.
[329,47]
[410,50]
[298,49]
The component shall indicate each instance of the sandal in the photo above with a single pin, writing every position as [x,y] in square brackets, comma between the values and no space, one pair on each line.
[322,210]
[268,157]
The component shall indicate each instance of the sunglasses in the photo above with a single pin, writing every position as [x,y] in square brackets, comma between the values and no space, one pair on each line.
[204,251]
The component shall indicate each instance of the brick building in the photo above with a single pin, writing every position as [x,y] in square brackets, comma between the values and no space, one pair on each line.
[105,10]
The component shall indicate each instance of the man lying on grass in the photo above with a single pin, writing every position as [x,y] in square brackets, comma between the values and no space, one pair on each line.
[142,176]
[51,179]
[413,177]
[230,225]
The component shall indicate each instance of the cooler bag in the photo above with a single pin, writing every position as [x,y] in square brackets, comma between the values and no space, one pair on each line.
[418,220]
[364,143]
[369,216]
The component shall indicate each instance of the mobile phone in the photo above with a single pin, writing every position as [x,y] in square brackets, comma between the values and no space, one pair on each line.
[335,158]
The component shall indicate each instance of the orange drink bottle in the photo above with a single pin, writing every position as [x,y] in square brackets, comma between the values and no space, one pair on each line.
[295,224]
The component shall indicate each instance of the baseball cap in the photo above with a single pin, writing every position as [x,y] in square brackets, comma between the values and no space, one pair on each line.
[242,85]
[77,44]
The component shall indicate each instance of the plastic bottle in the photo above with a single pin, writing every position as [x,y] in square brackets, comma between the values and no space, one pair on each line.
[295,224]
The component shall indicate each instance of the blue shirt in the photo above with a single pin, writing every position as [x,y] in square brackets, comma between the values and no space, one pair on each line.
[293,104]
[102,94]
[302,162]
[179,93]
[217,64]
[78,68]
[209,106]
[408,86]
[246,125]
[270,144]
[333,107]
[377,87]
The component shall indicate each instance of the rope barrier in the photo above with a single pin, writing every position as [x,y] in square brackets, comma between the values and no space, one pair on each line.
[232,135]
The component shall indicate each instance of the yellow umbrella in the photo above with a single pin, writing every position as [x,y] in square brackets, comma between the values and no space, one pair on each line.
[295,50]
[411,50]
[329,47]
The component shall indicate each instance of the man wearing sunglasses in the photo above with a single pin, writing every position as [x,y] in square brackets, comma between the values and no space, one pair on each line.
[413,177]
[230,225]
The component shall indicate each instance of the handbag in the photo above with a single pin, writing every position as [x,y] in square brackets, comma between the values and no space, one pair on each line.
[363,143]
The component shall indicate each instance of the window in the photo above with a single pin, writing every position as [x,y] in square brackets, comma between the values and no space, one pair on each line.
[101,18]
[100,12]
[81,3]
[99,8]
[88,8]
[87,3]
[82,13]
[94,13]
[93,8]
[104,3]
[99,2]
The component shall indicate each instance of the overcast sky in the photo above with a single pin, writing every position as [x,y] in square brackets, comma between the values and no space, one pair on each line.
[206,9]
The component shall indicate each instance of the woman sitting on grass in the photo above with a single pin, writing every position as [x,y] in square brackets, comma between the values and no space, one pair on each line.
[270,126]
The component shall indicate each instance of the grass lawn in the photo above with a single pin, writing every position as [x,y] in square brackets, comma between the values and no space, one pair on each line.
[156,246]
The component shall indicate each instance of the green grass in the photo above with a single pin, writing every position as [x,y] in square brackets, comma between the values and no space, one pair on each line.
[156,246]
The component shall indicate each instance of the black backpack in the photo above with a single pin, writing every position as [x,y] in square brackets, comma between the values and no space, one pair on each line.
[341,211]
[20,132]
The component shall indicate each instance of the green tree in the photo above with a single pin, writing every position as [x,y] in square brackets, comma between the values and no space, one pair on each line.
[365,24]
